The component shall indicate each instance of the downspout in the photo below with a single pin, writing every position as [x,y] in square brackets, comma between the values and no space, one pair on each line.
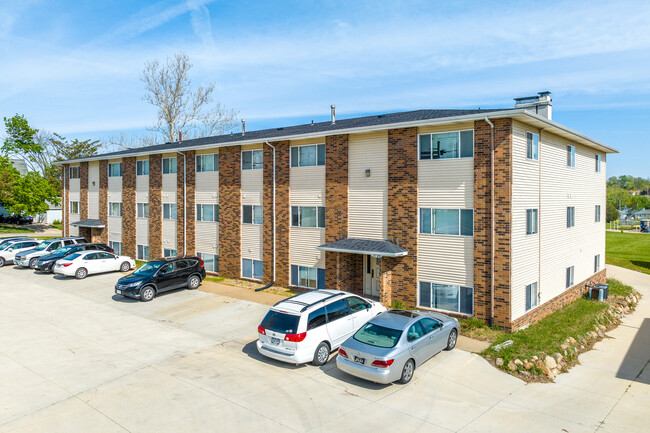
[184,202]
[492,222]
[274,236]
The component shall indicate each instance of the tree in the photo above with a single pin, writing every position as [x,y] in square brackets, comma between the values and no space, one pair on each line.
[181,109]
[8,176]
[611,213]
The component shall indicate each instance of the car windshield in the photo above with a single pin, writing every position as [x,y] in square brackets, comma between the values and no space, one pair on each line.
[281,322]
[5,246]
[42,246]
[378,336]
[148,268]
[62,251]
[73,256]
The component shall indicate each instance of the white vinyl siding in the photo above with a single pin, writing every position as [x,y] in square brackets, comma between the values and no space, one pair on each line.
[114,229]
[251,241]
[368,196]
[252,186]
[307,186]
[448,259]
[142,231]
[207,237]
[302,247]
[168,236]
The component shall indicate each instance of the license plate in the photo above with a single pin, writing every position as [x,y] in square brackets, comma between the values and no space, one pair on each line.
[359,360]
[119,292]
[275,340]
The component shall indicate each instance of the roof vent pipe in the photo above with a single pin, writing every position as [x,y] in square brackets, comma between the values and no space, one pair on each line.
[243,127]
[180,136]
[333,107]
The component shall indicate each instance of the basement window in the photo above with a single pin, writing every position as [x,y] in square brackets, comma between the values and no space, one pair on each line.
[253,269]
[531,296]
[569,276]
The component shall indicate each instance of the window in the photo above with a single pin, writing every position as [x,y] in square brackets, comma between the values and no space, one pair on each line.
[207,212]
[252,159]
[357,304]
[251,214]
[570,156]
[570,216]
[169,211]
[597,163]
[596,263]
[531,296]
[446,297]
[569,277]
[169,252]
[597,216]
[143,210]
[117,247]
[415,331]
[169,165]
[447,221]
[308,156]
[74,207]
[337,310]
[308,216]
[253,269]
[456,144]
[143,252]
[532,145]
[207,163]
[142,167]
[115,209]
[114,169]
[309,278]
[74,172]
[316,318]
[430,325]
[210,261]
[532,221]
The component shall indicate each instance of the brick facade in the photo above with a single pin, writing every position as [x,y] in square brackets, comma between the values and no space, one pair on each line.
[83,191]
[101,235]
[128,207]
[482,220]
[230,212]
[180,205]
[281,213]
[155,206]
[400,273]
[65,200]
[191,202]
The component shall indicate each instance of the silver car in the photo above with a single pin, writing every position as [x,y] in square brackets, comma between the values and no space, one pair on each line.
[390,346]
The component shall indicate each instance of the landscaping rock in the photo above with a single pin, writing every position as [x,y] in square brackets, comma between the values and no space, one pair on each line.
[534,358]
[564,346]
[600,334]
[499,362]
[518,362]
[558,358]
[572,341]
[550,362]
[528,365]
[512,366]
[555,371]
[544,369]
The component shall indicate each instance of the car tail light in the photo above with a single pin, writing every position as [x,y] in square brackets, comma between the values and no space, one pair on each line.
[200,262]
[261,330]
[65,265]
[111,250]
[343,353]
[382,364]
[295,337]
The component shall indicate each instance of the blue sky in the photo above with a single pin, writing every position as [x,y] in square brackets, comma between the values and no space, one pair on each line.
[73,67]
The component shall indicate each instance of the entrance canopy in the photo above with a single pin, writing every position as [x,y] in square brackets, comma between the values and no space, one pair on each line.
[89,223]
[365,246]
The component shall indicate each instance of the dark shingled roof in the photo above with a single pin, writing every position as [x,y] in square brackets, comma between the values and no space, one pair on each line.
[92,223]
[365,246]
[324,127]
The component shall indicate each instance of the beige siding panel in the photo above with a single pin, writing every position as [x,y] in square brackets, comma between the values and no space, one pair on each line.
[446,183]
[368,196]
[319,140]
[142,231]
[74,185]
[307,186]
[142,197]
[445,128]
[74,196]
[169,183]
[251,241]
[115,189]
[302,247]
[169,234]
[446,259]
[252,146]
[252,182]
[207,237]
[93,190]
[74,231]
[207,187]
[115,229]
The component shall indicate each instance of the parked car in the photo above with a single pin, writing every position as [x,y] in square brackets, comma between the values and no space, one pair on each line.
[162,275]
[84,263]
[309,326]
[29,258]
[17,219]
[46,263]
[389,347]
[14,238]
[8,250]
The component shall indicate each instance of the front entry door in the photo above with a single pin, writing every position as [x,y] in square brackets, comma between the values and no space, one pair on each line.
[371,275]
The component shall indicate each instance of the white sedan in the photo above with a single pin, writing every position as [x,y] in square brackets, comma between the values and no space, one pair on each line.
[84,263]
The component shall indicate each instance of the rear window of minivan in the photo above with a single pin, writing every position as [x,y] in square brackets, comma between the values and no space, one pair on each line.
[281,322]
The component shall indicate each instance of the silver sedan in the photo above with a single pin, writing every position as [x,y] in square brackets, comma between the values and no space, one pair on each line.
[390,346]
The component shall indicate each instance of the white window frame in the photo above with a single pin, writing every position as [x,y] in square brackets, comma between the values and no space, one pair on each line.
[170,252]
[534,300]
[298,164]
[73,205]
[117,247]
[253,208]
[253,163]
[598,161]
[199,164]
[460,226]
[74,172]
[144,164]
[169,211]
[318,214]
[529,212]
[570,155]
[532,148]
[142,210]
[111,211]
[215,261]
[110,168]
[140,252]
[570,276]
[170,166]
[597,212]
[253,276]
[419,305]
[446,132]
[215,212]
[570,217]
[309,270]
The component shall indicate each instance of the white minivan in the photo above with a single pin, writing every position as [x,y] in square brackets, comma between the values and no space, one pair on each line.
[309,326]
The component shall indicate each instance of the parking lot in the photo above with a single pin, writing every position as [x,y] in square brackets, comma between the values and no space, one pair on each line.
[76,357]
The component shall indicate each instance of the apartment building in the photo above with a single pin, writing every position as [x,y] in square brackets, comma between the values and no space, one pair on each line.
[497,213]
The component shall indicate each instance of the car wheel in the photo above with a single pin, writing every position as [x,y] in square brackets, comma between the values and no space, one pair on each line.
[322,354]
[407,371]
[147,294]
[125,267]
[451,341]
[2,262]
[32,263]
[81,273]
[193,282]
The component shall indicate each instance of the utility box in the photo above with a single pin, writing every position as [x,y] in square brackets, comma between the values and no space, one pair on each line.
[600,292]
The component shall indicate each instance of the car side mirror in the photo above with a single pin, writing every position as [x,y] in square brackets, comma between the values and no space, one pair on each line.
[10,249]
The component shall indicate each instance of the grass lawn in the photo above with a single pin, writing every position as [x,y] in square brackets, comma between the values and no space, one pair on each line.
[629,250]
[58,226]
[12,229]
